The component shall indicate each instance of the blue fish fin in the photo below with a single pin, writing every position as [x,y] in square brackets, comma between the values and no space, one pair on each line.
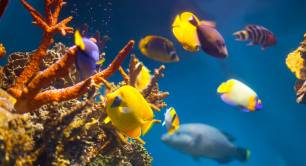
[229,136]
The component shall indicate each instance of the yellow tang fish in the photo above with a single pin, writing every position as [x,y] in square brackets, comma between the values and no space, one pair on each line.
[234,92]
[143,79]
[129,112]
[186,32]
[158,48]
[171,121]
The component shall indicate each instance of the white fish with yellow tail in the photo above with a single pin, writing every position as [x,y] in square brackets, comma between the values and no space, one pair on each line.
[236,93]
[171,121]
[158,48]
[129,112]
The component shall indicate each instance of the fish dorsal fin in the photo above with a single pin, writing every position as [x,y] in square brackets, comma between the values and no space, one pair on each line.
[147,126]
[211,24]
[78,40]
[229,136]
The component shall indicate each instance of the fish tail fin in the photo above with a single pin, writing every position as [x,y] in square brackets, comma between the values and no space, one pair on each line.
[148,125]
[193,21]
[243,154]
[241,35]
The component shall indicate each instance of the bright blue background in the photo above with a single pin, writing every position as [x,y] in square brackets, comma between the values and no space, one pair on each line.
[276,135]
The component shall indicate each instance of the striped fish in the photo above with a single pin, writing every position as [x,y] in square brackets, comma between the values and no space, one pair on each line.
[258,35]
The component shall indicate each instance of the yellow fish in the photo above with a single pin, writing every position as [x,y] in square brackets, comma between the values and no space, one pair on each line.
[236,93]
[158,48]
[143,79]
[171,121]
[129,112]
[186,32]
[296,64]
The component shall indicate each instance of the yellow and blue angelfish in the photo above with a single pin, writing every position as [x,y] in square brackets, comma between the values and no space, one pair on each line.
[87,55]
[129,112]
[236,93]
[171,121]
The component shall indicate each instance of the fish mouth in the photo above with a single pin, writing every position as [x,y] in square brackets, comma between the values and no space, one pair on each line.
[223,52]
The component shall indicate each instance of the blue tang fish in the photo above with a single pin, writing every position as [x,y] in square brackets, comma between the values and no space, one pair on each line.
[201,140]
[87,56]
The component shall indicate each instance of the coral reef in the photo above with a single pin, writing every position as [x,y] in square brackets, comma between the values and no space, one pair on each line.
[49,118]
[296,62]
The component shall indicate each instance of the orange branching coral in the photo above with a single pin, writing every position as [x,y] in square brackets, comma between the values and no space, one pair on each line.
[28,86]
[50,25]
[34,99]
[2,50]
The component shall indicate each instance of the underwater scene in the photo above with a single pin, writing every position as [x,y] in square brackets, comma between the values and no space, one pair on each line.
[152,82]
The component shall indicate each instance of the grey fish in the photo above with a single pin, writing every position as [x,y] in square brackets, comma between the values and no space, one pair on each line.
[200,140]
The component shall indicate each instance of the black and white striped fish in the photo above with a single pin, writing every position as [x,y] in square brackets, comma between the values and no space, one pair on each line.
[258,35]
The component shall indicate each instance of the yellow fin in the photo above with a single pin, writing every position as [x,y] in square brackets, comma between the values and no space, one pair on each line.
[140,140]
[107,120]
[78,41]
[154,107]
[101,61]
[148,125]
[226,87]
[252,103]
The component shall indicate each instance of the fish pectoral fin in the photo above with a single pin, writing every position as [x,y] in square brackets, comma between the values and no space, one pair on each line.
[229,136]
[154,107]
[140,140]
[136,133]
[147,126]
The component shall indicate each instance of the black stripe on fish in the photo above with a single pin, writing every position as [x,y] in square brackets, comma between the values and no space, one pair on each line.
[173,118]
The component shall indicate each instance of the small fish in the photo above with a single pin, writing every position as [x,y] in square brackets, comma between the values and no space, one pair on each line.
[3,5]
[143,79]
[212,42]
[234,92]
[185,32]
[158,48]
[258,35]
[171,121]
[87,56]
[201,140]
[129,112]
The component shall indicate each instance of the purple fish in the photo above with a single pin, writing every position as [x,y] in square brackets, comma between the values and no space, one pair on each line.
[212,42]
[86,61]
